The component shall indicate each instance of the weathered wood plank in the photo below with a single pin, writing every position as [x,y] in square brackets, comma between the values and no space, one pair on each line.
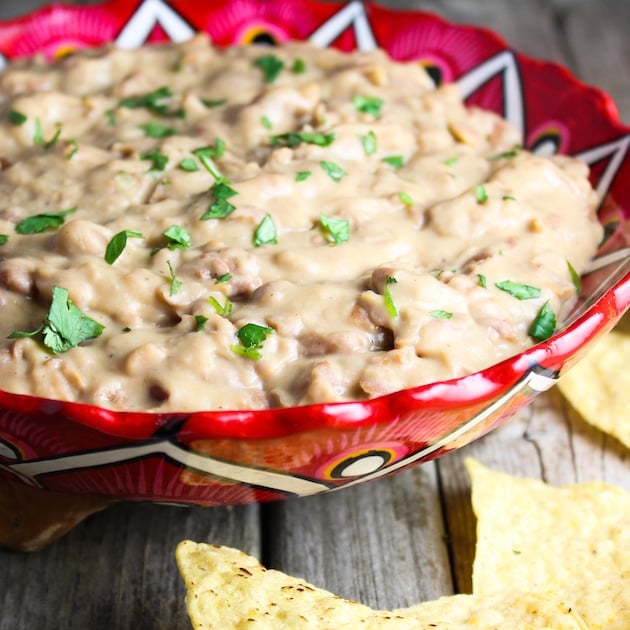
[381,543]
[597,33]
[117,569]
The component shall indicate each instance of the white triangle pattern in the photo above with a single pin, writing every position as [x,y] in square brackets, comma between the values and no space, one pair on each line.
[149,14]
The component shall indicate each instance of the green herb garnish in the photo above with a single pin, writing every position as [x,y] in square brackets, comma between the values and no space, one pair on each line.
[334,171]
[41,222]
[483,281]
[397,161]
[210,103]
[117,244]
[368,105]
[270,66]
[302,175]
[65,325]
[544,324]
[177,237]
[224,277]
[405,198]
[4,239]
[266,232]
[222,309]
[518,290]
[265,121]
[175,283]
[391,307]
[293,138]
[512,153]
[336,230]
[299,66]
[251,337]
[158,160]
[157,130]
[451,161]
[157,102]
[207,154]
[16,118]
[440,314]
[188,164]
[368,141]
[74,147]
[481,194]
[575,278]
[200,322]
[221,207]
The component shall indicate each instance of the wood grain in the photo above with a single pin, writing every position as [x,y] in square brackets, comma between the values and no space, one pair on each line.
[388,543]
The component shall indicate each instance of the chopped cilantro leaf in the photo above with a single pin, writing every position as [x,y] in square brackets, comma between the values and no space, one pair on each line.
[55,137]
[157,130]
[368,141]
[65,325]
[251,337]
[336,230]
[41,222]
[221,207]
[405,198]
[396,161]
[544,324]
[481,194]
[200,322]
[265,121]
[175,283]
[575,278]
[266,232]
[440,314]
[222,309]
[215,151]
[451,161]
[117,244]
[483,281]
[224,277]
[188,164]
[299,66]
[368,105]
[157,102]
[177,237]
[293,138]
[302,175]
[4,239]
[38,134]
[207,154]
[16,118]
[210,103]
[73,147]
[334,171]
[518,290]
[158,160]
[392,309]
[512,153]
[270,66]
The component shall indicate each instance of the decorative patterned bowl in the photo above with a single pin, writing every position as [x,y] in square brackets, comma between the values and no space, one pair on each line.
[231,457]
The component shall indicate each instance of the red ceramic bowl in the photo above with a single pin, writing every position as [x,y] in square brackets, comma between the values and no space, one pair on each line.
[224,457]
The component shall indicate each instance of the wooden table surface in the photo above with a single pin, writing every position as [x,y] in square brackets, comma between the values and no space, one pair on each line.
[388,543]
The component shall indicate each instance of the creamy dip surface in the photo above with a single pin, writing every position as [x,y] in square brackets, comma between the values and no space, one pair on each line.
[191,228]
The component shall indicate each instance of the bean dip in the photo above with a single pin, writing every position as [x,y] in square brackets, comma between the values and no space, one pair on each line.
[185,227]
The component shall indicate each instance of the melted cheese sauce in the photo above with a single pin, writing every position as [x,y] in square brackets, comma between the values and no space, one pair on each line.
[437,206]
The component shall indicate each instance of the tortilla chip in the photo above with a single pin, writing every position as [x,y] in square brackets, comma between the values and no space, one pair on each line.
[228,589]
[598,387]
[570,543]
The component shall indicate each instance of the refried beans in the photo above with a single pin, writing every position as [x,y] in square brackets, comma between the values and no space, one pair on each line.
[185,227]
